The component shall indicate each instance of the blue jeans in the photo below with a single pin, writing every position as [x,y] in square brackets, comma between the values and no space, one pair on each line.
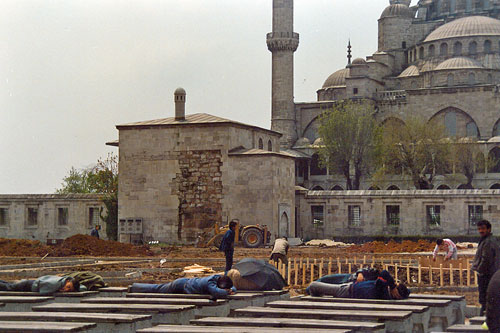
[174,287]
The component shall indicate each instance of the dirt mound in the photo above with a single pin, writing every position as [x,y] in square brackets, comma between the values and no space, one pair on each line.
[22,248]
[84,245]
[393,247]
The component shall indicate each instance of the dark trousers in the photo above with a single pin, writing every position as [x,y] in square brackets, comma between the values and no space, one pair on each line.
[174,287]
[229,259]
[23,285]
[483,281]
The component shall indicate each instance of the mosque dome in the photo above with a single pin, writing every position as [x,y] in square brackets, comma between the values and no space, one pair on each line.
[397,10]
[359,61]
[405,2]
[337,79]
[180,91]
[466,27]
[410,71]
[458,63]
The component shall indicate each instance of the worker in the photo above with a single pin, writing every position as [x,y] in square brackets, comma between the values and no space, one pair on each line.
[448,246]
[95,231]
[227,245]
[493,303]
[485,261]
[45,285]
[218,286]
[280,250]
[383,287]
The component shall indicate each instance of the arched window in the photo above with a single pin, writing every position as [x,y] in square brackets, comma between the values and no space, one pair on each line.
[317,188]
[487,46]
[495,187]
[471,129]
[450,122]
[443,50]
[457,49]
[316,170]
[269,145]
[374,188]
[472,48]
[489,79]
[450,80]
[468,5]
[421,53]
[472,79]
[443,187]
[494,158]
[453,6]
[261,144]
[496,129]
[337,188]
[393,188]
[432,50]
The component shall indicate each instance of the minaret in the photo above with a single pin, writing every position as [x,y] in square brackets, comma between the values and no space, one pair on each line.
[283,42]
[349,56]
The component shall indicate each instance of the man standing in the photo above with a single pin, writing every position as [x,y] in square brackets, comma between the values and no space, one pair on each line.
[280,250]
[485,261]
[95,231]
[448,246]
[227,245]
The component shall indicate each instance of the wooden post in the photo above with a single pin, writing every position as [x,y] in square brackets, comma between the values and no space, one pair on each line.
[355,261]
[296,274]
[408,274]
[401,262]
[451,275]
[304,268]
[330,266]
[364,260]
[312,273]
[346,261]
[460,268]
[419,274]
[441,275]
[396,272]
[339,265]
[350,268]
[289,275]
[321,268]
[430,275]
[307,262]
[392,260]
[475,279]
[468,273]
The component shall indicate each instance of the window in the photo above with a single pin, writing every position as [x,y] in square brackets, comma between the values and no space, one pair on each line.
[475,214]
[403,45]
[486,4]
[414,85]
[450,123]
[450,80]
[269,145]
[443,50]
[318,216]
[32,219]
[472,79]
[62,216]
[453,6]
[432,82]
[432,50]
[457,49]
[472,48]
[392,215]
[4,216]
[468,5]
[355,91]
[489,79]
[354,215]
[94,216]
[472,131]
[261,144]
[421,53]
[433,215]
[487,46]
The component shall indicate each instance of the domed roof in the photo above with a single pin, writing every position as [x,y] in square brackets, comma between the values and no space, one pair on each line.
[467,26]
[410,71]
[337,79]
[458,63]
[397,10]
[180,91]
[359,61]
[302,142]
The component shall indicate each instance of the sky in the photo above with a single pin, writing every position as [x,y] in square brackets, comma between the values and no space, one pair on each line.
[71,70]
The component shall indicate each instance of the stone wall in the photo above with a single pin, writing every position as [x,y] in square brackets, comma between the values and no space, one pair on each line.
[50,216]
[454,209]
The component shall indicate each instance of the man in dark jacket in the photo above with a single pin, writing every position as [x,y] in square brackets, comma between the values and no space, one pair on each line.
[45,285]
[227,245]
[485,261]
[95,231]
[218,286]
[493,304]
[383,287]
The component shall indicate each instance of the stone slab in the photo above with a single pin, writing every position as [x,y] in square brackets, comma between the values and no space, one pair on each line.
[477,320]
[465,328]
[155,300]
[39,327]
[235,329]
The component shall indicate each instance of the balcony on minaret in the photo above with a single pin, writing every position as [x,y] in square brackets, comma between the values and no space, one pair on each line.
[282,41]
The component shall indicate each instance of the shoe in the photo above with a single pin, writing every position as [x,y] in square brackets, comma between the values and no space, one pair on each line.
[484,326]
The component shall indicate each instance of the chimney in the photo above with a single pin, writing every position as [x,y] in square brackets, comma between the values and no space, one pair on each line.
[180,104]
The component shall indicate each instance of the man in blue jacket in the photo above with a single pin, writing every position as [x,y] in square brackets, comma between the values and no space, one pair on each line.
[45,285]
[218,286]
[227,245]
[381,287]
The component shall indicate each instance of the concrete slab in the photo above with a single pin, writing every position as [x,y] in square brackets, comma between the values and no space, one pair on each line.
[23,303]
[39,327]
[458,303]
[477,320]
[219,329]
[465,328]
[113,291]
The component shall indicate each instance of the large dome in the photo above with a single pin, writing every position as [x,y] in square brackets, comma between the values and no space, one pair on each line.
[467,26]
[458,63]
[397,10]
[337,79]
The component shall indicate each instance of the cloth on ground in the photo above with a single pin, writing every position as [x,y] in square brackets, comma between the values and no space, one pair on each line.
[88,280]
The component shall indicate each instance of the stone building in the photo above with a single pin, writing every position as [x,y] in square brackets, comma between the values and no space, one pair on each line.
[438,60]
[181,175]
[50,217]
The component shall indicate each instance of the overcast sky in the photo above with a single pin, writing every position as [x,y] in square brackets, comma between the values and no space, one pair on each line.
[70,70]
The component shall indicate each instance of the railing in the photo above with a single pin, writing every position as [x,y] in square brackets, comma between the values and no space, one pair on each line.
[293,35]
[393,95]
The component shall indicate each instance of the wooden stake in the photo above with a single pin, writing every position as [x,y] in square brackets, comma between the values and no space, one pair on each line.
[296,274]
[401,262]
[460,268]
[468,273]
[475,279]
[392,260]
[355,260]
[350,268]
[289,271]
[339,265]
[307,262]
[304,275]
[430,276]
[441,275]
[396,272]
[408,274]
[419,274]
[330,266]
[364,260]
[312,273]
[321,268]
[451,275]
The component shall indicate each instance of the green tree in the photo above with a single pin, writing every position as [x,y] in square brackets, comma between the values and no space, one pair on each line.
[419,148]
[350,133]
[101,178]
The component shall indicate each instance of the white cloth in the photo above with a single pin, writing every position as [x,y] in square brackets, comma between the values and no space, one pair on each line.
[450,248]
[280,246]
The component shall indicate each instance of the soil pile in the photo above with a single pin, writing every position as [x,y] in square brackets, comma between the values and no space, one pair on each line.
[394,247]
[85,245]
[22,248]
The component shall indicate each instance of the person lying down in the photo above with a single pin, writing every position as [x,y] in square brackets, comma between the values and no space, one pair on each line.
[45,285]
[364,284]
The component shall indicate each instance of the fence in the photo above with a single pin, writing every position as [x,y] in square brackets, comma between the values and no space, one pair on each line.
[412,271]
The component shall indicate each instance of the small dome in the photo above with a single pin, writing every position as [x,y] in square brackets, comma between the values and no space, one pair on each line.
[337,79]
[465,27]
[495,139]
[302,142]
[458,63]
[397,10]
[318,142]
[404,2]
[410,71]
[359,61]
[180,91]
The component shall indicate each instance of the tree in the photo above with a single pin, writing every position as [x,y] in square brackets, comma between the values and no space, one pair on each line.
[419,148]
[101,178]
[465,154]
[349,133]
